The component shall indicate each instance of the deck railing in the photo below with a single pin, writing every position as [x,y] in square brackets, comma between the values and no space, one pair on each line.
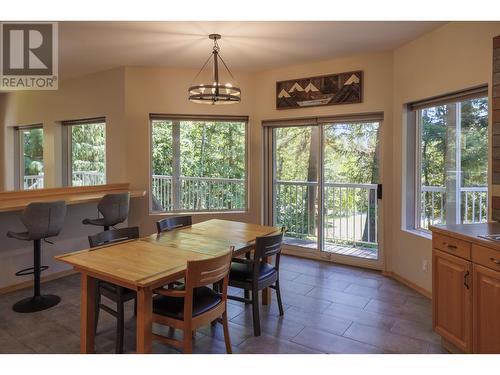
[473,205]
[79,178]
[199,193]
[88,178]
[33,182]
[349,214]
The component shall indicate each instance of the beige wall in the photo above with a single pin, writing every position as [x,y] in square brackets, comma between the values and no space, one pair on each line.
[100,94]
[453,57]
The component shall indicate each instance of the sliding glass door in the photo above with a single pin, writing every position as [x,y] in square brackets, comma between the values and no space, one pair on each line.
[350,170]
[324,189]
[295,188]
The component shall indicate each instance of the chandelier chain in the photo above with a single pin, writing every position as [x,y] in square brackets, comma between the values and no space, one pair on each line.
[216,46]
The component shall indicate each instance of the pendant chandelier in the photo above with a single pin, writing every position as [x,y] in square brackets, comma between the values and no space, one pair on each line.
[215,92]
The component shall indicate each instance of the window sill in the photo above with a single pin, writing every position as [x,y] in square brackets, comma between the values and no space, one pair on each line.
[420,233]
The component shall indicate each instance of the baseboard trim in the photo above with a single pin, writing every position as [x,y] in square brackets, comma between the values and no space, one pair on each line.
[408,283]
[29,283]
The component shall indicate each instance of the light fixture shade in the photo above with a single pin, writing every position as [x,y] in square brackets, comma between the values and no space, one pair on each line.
[215,92]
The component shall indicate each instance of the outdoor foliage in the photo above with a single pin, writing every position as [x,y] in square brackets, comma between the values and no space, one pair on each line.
[435,122]
[209,153]
[33,151]
[350,157]
[207,149]
[88,154]
[88,146]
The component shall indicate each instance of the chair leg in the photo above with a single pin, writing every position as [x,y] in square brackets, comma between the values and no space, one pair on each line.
[255,312]
[96,307]
[278,296]
[188,341]
[119,325]
[227,339]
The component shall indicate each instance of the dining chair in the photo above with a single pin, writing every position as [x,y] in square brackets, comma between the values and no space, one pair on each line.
[195,304]
[118,294]
[171,223]
[255,274]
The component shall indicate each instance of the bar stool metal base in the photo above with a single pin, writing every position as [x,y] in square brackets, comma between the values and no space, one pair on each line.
[36,303]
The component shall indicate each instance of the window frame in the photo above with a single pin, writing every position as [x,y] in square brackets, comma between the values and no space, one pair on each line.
[19,153]
[221,118]
[67,148]
[413,198]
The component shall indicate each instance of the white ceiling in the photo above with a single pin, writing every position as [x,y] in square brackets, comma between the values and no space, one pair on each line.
[87,47]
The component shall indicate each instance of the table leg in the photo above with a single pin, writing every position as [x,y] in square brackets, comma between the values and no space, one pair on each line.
[266,292]
[144,321]
[87,314]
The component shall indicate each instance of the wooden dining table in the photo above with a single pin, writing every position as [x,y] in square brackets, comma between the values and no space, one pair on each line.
[151,262]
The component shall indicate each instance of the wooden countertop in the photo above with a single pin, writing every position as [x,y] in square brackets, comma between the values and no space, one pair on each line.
[17,200]
[470,232]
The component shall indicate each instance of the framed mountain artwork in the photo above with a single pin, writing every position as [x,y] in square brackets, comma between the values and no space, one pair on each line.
[341,88]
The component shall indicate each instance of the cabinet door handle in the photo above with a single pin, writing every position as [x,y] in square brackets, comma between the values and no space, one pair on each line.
[465,279]
[496,261]
[450,247]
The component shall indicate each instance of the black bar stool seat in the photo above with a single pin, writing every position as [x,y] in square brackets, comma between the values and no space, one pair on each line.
[42,220]
[114,210]
[98,222]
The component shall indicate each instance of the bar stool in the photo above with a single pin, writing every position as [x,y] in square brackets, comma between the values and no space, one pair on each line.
[114,209]
[42,220]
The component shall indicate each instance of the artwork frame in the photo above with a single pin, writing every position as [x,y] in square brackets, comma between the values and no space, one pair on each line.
[319,91]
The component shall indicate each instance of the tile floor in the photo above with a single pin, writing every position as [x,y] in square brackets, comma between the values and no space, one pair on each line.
[329,308]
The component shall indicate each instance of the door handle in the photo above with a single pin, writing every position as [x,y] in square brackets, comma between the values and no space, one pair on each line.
[465,279]
[496,261]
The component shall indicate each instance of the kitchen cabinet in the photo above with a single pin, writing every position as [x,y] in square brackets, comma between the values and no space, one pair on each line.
[452,296]
[466,287]
[486,314]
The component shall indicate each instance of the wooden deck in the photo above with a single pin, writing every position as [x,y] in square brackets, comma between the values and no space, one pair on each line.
[360,252]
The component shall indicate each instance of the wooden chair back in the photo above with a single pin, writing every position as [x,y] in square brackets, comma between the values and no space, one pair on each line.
[171,223]
[214,271]
[199,273]
[266,247]
[115,235]
[208,271]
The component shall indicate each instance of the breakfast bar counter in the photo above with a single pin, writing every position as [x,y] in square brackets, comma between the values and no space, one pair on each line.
[17,200]
[82,203]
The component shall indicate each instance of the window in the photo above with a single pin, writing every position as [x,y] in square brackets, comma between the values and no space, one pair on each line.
[85,161]
[451,161]
[198,163]
[30,157]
